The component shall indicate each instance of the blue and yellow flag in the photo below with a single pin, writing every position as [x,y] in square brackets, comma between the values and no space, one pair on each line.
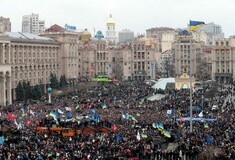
[104,106]
[54,115]
[143,135]
[166,134]
[195,24]
[206,126]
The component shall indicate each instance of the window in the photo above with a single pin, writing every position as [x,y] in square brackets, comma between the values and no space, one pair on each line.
[227,44]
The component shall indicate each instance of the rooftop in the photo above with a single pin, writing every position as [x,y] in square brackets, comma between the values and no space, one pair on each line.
[26,36]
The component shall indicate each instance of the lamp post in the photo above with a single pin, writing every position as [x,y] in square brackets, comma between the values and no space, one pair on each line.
[232,93]
[49,90]
[202,102]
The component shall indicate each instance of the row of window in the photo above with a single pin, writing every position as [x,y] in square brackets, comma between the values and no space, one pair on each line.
[20,61]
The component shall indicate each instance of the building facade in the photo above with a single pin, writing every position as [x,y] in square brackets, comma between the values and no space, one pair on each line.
[186,50]
[26,57]
[164,35]
[125,35]
[32,24]
[5,25]
[69,43]
[223,60]
[212,28]
[94,59]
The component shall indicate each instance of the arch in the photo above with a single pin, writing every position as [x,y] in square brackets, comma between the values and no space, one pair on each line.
[2,74]
[185,86]
[8,74]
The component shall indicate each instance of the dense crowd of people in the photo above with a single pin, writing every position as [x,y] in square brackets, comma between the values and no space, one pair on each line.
[135,135]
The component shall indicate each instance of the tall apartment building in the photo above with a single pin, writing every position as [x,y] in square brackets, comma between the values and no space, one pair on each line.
[26,57]
[125,35]
[184,49]
[5,25]
[32,24]
[223,59]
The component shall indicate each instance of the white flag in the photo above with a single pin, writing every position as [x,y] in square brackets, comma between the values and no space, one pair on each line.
[67,108]
[138,136]
[60,112]
[200,114]
[16,123]
[31,112]
[123,116]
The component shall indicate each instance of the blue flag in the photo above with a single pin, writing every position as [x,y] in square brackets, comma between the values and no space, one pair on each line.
[92,111]
[1,140]
[209,140]
[69,116]
[119,139]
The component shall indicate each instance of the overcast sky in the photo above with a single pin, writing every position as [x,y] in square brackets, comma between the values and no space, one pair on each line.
[136,15]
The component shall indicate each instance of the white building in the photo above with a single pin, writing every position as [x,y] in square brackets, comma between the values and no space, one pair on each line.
[32,24]
[111,37]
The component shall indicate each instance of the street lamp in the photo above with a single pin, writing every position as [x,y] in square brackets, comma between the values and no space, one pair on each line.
[69,85]
[49,90]
[202,102]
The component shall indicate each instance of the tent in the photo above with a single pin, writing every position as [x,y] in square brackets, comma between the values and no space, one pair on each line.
[162,83]
[156,97]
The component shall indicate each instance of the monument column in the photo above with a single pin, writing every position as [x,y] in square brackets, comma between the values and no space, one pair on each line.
[3,54]
[9,95]
[8,51]
[3,90]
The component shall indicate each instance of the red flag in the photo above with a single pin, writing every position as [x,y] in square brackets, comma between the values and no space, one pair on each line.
[10,116]
[90,106]
[114,128]
[28,122]
[182,119]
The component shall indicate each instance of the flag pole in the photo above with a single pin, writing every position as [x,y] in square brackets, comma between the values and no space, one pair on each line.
[190,79]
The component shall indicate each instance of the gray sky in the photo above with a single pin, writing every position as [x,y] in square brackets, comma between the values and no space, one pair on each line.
[136,15]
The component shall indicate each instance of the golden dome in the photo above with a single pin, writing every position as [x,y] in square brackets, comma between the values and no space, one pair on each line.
[110,21]
[85,36]
[84,33]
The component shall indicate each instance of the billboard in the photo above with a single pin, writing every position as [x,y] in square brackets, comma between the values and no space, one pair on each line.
[68,27]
